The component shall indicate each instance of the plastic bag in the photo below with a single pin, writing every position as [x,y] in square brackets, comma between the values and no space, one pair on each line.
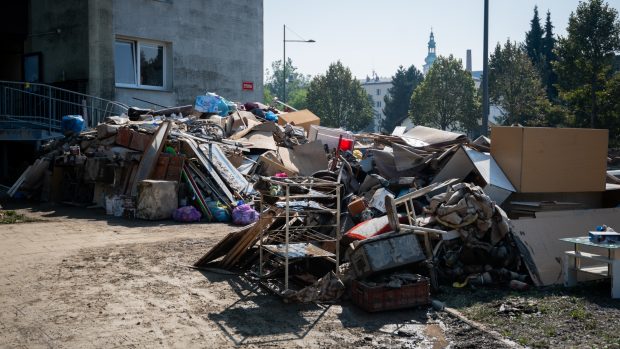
[270,116]
[72,123]
[244,215]
[186,214]
[212,103]
[219,211]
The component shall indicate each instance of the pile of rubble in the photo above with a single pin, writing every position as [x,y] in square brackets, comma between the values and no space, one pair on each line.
[387,217]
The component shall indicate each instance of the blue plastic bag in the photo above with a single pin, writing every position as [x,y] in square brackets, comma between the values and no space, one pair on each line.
[219,211]
[270,116]
[72,123]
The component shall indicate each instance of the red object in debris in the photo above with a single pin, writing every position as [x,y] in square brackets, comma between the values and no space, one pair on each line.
[345,144]
[381,298]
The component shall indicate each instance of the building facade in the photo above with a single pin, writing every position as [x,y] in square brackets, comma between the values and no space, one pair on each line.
[163,51]
[377,88]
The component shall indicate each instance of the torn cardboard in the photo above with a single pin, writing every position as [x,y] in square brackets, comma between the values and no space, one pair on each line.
[304,159]
[487,173]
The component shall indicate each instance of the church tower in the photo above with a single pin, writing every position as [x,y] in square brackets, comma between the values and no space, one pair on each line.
[430,58]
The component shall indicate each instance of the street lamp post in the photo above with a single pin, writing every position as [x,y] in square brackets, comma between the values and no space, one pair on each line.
[284,41]
[485,73]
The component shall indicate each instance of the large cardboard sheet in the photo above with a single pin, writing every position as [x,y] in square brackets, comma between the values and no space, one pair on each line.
[304,159]
[541,236]
[544,160]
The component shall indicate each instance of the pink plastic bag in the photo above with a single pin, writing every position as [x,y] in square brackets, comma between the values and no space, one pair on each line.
[244,215]
[186,214]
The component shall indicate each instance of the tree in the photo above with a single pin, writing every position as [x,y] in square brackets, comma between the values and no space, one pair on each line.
[515,86]
[339,99]
[549,77]
[296,83]
[585,60]
[446,99]
[399,95]
[534,41]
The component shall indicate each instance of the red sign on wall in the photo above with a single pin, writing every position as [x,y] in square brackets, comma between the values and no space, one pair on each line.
[247,86]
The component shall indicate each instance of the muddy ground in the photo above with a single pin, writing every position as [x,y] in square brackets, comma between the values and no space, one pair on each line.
[81,279]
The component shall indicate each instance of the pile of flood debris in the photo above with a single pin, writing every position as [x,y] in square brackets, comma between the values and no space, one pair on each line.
[324,211]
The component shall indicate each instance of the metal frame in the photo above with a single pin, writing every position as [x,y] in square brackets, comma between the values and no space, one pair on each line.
[306,234]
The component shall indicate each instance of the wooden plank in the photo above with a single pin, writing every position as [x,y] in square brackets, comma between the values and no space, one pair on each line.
[19,181]
[207,165]
[222,247]
[199,197]
[249,239]
[150,155]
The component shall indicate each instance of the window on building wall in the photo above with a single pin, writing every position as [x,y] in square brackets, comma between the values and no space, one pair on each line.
[140,64]
[378,92]
[378,104]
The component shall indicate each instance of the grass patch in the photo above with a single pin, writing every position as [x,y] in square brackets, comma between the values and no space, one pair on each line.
[11,217]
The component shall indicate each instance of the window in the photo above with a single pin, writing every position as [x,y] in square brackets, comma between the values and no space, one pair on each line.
[378,92]
[378,104]
[140,64]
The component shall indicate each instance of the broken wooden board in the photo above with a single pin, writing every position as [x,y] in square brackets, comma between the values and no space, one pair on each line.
[212,172]
[249,239]
[223,246]
[150,155]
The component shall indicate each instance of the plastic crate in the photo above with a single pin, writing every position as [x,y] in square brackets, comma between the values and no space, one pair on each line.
[380,298]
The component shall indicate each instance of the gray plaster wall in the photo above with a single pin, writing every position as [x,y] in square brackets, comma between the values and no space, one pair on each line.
[64,53]
[215,46]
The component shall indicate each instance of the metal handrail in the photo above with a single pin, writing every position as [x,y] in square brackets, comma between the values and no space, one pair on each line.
[43,106]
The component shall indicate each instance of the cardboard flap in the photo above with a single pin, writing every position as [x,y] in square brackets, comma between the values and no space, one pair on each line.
[420,136]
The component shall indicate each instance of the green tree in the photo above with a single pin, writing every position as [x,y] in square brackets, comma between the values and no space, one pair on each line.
[549,77]
[296,84]
[399,95]
[515,86]
[339,99]
[446,99]
[585,60]
[534,41]
[610,97]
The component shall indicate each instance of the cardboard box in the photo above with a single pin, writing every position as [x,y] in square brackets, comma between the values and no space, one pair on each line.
[542,160]
[303,118]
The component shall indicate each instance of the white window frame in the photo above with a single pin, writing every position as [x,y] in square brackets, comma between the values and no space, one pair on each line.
[137,43]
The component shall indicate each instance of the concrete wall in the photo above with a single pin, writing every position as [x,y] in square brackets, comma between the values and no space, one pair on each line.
[65,53]
[215,46]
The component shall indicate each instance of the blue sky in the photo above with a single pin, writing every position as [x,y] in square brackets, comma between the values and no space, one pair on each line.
[382,35]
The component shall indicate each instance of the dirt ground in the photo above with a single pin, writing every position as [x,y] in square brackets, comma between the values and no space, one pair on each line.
[81,279]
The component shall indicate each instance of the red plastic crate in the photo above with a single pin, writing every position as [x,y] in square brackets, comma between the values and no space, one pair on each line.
[379,298]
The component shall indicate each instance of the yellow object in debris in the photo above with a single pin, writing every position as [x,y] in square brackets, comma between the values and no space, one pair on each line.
[457,284]
[358,154]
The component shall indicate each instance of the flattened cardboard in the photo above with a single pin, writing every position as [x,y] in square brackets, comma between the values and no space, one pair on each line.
[488,174]
[302,118]
[542,160]
[304,159]
[541,237]
[420,136]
